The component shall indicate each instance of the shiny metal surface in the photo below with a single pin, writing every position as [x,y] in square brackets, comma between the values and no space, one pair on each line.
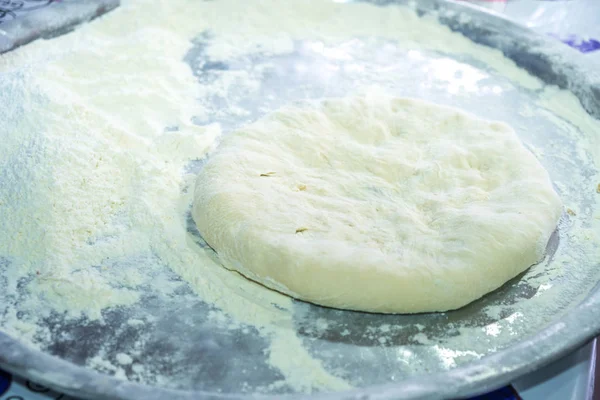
[206,362]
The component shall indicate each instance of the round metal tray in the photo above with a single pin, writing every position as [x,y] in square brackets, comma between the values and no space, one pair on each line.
[575,324]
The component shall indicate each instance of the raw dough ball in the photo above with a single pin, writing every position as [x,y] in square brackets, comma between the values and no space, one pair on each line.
[378,204]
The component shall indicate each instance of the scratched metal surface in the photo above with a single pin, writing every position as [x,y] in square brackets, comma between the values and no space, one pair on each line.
[209,362]
[22,21]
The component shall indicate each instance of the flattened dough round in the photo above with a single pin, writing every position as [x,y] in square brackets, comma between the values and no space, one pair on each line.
[376,203]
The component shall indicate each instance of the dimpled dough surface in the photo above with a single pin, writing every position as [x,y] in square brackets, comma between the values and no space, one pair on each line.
[376,203]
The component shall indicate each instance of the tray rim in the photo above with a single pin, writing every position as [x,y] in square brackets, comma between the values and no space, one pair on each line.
[571,331]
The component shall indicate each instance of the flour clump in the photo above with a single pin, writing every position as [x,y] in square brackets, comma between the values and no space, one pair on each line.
[376,203]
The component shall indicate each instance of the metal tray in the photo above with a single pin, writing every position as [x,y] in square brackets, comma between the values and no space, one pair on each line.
[539,337]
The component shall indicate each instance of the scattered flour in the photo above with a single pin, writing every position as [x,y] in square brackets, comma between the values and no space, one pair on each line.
[123,359]
[100,128]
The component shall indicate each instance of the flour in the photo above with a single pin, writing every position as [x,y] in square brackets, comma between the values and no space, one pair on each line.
[123,359]
[102,133]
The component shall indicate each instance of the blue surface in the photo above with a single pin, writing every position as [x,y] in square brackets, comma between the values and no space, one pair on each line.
[506,393]
[584,46]
[5,380]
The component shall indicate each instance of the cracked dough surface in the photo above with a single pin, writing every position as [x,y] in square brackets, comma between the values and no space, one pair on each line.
[376,203]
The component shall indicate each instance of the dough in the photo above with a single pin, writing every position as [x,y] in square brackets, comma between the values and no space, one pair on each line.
[376,203]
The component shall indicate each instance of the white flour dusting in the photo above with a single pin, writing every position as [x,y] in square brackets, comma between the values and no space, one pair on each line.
[100,126]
